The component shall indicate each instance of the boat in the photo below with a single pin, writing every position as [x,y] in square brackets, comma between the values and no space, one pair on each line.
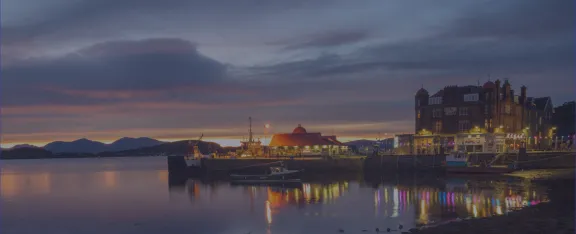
[278,174]
[457,162]
[281,185]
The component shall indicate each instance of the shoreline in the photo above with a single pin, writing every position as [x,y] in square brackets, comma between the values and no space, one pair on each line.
[555,216]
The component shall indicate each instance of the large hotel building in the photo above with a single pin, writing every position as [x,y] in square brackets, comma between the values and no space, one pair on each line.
[488,118]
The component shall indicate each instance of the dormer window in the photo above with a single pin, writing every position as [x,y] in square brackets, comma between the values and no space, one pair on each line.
[472,97]
[435,100]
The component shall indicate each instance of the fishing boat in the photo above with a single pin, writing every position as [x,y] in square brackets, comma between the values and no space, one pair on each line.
[457,162]
[278,174]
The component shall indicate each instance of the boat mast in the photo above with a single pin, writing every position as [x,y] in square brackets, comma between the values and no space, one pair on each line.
[250,130]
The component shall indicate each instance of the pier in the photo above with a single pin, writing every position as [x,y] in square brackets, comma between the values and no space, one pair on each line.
[374,164]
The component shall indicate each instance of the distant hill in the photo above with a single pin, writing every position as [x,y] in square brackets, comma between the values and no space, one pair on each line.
[25,152]
[127,143]
[177,147]
[23,146]
[170,148]
[78,146]
[88,146]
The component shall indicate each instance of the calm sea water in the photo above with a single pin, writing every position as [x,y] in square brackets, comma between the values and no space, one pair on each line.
[136,195]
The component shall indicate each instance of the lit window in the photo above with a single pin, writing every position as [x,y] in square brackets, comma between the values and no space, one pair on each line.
[438,126]
[463,125]
[473,97]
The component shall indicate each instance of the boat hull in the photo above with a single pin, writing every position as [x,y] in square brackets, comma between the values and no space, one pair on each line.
[273,178]
[296,183]
[479,170]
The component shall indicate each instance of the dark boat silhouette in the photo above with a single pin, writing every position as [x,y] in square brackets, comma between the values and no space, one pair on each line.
[279,174]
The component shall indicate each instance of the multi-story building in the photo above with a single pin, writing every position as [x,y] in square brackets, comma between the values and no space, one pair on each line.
[488,118]
[539,123]
[564,119]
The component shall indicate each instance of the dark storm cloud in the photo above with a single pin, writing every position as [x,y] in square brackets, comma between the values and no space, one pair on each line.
[130,66]
[327,39]
[99,18]
[522,20]
[501,38]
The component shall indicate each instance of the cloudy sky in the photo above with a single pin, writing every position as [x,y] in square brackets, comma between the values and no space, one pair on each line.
[173,69]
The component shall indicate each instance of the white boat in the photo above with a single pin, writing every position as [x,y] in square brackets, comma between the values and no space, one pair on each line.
[457,162]
[274,175]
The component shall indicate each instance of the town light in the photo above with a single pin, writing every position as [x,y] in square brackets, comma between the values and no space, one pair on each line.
[267,125]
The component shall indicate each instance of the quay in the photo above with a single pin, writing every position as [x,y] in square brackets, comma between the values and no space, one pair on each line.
[373,164]
[314,152]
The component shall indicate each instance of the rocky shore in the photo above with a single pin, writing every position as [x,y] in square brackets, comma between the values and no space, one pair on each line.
[554,217]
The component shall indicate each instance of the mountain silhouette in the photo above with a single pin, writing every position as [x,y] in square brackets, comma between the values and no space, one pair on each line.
[169,148]
[88,146]
[128,143]
[78,146]
[23,146]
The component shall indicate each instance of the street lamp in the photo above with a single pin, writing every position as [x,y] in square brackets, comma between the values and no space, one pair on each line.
[266,128]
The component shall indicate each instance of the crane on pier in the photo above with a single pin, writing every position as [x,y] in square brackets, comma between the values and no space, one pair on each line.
[195,151]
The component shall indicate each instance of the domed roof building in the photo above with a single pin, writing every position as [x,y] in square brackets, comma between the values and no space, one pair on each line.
[299,130]
[302,143]
[489,85]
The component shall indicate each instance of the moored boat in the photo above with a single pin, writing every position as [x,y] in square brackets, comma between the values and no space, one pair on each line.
[457,162]
[274,175]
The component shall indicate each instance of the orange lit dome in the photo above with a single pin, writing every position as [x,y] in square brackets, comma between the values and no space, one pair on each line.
[489,85]
[299,130]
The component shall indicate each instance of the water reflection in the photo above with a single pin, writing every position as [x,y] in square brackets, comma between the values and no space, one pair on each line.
[13,184]
[107,196]
[447,199]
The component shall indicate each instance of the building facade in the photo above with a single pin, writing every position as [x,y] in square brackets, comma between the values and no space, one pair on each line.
[488,118]
[564,119]
[302,143]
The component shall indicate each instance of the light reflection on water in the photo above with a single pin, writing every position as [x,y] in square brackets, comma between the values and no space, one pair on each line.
[138,196]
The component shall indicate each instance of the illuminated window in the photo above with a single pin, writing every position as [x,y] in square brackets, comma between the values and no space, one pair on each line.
[473,97]
[463,125]
[435,100]
[438,126]
[418,114]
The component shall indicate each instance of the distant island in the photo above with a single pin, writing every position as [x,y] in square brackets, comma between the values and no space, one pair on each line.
[124,147]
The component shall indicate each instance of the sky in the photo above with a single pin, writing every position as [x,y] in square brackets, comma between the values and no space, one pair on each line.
[174,69]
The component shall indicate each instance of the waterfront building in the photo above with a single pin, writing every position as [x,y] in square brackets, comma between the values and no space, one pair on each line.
[487,118]
[564,119]
[302,143]
[404,144]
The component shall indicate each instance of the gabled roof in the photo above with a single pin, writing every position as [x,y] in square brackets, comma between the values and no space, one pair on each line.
[439,93]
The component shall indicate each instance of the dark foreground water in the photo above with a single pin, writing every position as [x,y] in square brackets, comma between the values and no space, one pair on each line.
[136,195]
